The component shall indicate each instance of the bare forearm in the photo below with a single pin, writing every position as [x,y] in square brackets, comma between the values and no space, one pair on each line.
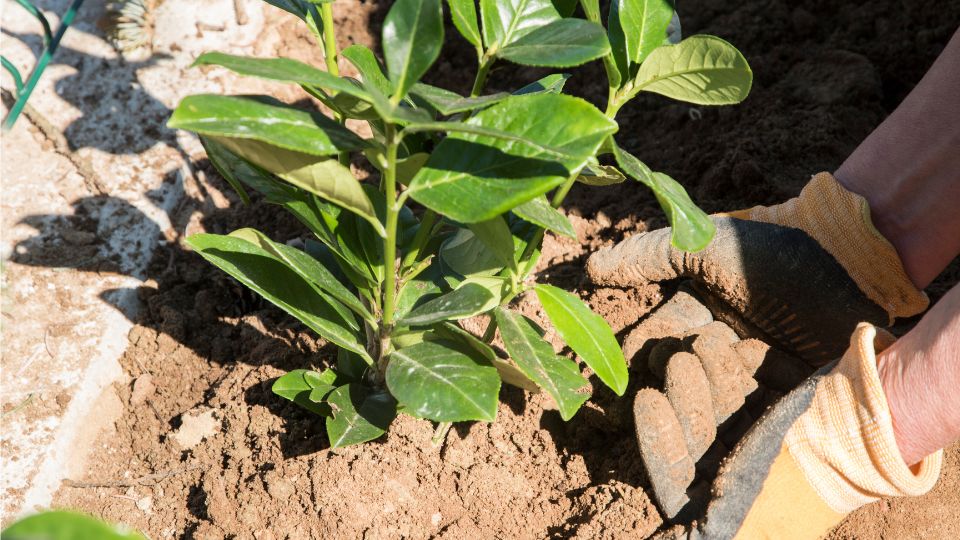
[920,374]
[908,169]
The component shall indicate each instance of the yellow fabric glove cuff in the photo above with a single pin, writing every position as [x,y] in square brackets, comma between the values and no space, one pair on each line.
[840,454]
[839,221]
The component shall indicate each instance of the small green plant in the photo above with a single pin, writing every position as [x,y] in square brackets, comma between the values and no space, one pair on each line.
[66,525]
[388,285]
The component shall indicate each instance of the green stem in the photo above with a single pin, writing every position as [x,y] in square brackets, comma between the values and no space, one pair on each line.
[329,39]
[534,242]
[440,434]
[420,239]
[486,62]
[390,242]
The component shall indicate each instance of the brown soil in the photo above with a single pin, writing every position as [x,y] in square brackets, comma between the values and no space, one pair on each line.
[826,74]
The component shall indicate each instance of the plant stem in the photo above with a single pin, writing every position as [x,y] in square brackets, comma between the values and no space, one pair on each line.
[420,239]
[390,242]
[440,434]
[534,242]
[329,39]
[486,62]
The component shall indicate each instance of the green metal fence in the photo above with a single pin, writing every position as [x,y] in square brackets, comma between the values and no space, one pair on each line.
[51,41]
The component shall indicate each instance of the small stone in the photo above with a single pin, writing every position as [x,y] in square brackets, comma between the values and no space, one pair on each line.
[195,427]
[143,389]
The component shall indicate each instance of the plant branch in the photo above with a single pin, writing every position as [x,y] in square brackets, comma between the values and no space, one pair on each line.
[390,242]
[329,39]
[486,62]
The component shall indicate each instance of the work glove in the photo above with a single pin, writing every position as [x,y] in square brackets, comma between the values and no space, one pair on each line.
[800,276]
[825,449]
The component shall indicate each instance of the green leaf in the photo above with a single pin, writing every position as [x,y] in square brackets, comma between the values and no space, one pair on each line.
[415,292]
[506,21]
[309,269]
[496,235]
[565,7]
[300,8]
[434,380]
[258,270]
[467,168]
[283,70]
[469,256]
[296,387]
[705,70]
[412,38]
[644,24]
[600,175]
[359,415]
[551,84]
[587,334]
[223,161]
[539,212]
[446,102]
[64,525]
[561,43]
[366,63]
[351,366]
[325,178]
[618,44]
[263,120]
[409,166]
[464,15]
[465,301]
[509,373]
[692,229]
[559,376]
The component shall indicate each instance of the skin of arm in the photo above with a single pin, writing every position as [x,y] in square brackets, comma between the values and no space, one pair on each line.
[920,374]
[908,169]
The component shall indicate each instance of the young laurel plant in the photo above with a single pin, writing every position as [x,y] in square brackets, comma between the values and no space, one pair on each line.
[387,285]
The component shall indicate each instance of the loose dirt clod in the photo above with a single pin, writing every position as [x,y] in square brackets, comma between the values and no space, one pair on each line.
[195,427]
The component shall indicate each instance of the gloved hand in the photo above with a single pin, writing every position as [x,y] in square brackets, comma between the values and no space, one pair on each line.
[801,274]
[822,451]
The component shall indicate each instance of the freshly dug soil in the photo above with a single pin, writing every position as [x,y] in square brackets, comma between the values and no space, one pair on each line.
[205,450]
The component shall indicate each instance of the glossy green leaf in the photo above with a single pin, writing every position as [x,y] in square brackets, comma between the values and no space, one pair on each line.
[258,270]
[506,21]
[350,366]
[412,38]
[325,178]
[300,8]
[468,256]
[224,161]
[561,43]
[600,175]
[65,525]
[296,387]
[409,166]
[692,229]
[417,291]
[644,24]
[618,45]
[509,372]
[496,236]
[263,120]
[587,334]
[283,70]
[436,381]
[559,376]
[466,168]
[464,15]
[539,212]
[309,269]
[565,7]
[705,70]
[369,67]
[446,102]
[551,84]
[465,301]
[359,414]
